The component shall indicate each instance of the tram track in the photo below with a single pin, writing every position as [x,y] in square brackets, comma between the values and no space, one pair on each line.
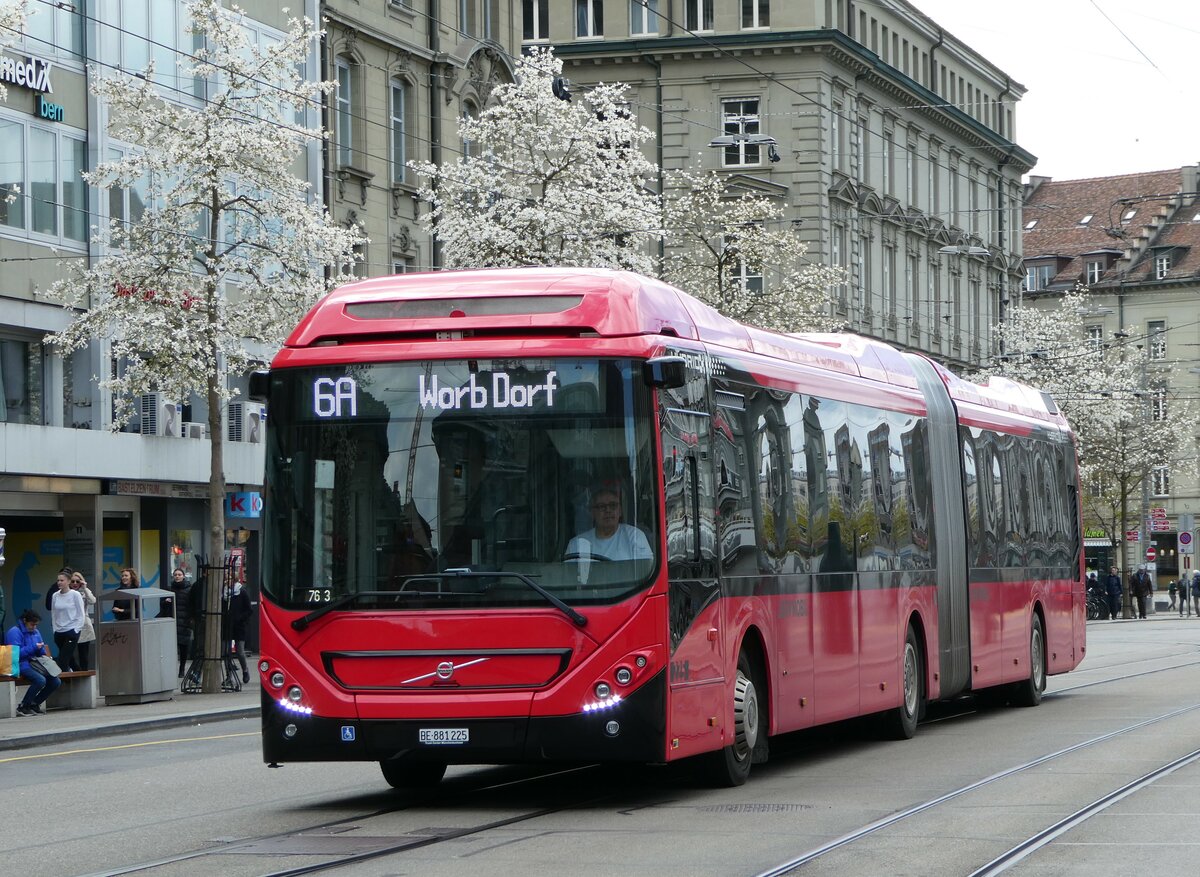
[405,843]
[892,819]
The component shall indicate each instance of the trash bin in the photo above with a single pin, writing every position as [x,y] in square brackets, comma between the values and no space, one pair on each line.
[138,657]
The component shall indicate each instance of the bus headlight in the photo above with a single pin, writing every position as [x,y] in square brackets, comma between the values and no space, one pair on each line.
[603,690]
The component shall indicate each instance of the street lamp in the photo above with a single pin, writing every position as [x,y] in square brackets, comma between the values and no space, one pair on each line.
[750,140]
[963,250]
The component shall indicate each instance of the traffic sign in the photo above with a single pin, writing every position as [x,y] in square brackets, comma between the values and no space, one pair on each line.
[1151,553]
[1186,545]
[1133,536]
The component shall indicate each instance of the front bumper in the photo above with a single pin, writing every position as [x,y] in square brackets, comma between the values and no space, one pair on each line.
[641,735]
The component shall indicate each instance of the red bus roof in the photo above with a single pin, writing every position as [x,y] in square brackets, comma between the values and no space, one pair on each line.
[590,302]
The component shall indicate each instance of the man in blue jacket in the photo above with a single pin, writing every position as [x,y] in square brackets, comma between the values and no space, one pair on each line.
[26,635]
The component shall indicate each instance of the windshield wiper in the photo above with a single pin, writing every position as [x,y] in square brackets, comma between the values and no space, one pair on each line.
[325,608]
[304,621]
[579,619]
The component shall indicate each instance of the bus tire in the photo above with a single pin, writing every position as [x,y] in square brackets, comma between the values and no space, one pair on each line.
[901,723]
[1028,692]
[730,766]
[401,774]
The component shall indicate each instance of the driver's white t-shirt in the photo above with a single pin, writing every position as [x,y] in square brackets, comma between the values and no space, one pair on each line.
[627,543]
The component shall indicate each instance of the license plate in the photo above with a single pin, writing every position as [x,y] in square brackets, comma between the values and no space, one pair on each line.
[444,736]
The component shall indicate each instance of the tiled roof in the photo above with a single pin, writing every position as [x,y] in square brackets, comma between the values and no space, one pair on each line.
[1060,208]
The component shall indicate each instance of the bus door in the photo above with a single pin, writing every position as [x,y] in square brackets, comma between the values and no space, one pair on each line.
[696,640]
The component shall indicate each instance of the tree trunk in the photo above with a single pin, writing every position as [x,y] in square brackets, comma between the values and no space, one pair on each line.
[211,679]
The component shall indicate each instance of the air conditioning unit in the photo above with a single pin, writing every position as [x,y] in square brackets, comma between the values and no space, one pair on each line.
[247,420]
[192,429]
[161,416]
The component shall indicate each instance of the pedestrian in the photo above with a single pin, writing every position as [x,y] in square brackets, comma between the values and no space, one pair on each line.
[237,621]
[1112,587]
[1195,603]
[125,610]
[87,636]
[181,588]
[25,635]
[1139,585]
[1171,591]
[66,614]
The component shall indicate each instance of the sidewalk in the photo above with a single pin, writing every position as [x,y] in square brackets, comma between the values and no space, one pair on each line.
[63,726]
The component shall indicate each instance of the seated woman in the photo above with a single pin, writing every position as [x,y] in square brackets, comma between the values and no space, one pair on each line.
[609,539]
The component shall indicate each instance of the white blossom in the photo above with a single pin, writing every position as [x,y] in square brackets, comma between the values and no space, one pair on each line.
[716,238]
[231,249]
[546,181]
[12,24]
[1125,425]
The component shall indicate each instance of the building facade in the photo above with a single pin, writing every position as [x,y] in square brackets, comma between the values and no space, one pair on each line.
[406,71]
[1134,241]
[72,490]
[893,147]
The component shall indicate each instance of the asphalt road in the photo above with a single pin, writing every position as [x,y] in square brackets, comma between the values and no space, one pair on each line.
[1116,734]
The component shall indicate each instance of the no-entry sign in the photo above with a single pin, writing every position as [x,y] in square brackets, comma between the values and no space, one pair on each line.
[1151,553]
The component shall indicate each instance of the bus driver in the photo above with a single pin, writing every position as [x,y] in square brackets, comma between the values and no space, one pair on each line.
[609,539]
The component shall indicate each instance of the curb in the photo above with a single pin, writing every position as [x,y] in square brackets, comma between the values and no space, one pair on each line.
[116,728]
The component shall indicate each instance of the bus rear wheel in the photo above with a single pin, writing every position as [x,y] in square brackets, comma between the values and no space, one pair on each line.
[731,766]
[1028,692]
[901,723]
[401,774]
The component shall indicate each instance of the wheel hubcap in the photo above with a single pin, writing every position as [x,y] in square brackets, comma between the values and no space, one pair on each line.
[1035,655]
[745,717]
[911,686]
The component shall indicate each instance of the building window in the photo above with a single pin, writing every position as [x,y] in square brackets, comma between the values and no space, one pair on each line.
[1156,334]
[740,118]
[643,17]
[886,163]
[1095,335]
[54,29]
[466,17]
[535,16]
[398,105]
[1038,277]
[40,170]
[345,114]
[469,113]
[1158,404]
[1162,264]
[1031,225]
[698,14]
[1086,219]
[1162,481]
[1094,269]
[22,377]
[756,13]
[401,265]
[589,18]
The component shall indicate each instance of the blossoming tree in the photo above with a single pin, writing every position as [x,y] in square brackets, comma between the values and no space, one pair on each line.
[231,249]
[544,180]
[1128,425]
[740,254]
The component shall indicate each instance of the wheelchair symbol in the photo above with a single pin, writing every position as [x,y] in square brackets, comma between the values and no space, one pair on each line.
[347,733]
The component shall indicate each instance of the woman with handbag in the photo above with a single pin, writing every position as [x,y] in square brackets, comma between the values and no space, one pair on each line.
[87,636]
[25,634]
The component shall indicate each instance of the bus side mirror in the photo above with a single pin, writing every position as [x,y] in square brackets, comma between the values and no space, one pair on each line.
[260,385]
[666,372]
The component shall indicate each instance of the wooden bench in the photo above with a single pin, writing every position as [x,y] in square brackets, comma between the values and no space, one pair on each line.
[77,692]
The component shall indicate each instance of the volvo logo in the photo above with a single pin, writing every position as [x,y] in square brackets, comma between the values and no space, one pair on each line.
[444,671]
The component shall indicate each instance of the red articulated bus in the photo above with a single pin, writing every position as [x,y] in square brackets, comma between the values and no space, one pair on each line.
[539,515]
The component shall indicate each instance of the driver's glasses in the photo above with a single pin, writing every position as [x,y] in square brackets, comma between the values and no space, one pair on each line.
[606,506]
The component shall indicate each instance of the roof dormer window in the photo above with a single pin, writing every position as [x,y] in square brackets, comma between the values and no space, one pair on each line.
[1086,219]
[1031,224]
[1129,214]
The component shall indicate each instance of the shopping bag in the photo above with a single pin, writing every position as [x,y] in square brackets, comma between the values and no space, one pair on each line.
[10,660]
[45,665]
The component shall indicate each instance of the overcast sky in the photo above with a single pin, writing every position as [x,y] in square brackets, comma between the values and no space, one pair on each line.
[1104,97]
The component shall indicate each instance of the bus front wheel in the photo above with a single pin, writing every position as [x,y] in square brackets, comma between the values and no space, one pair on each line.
[730,766]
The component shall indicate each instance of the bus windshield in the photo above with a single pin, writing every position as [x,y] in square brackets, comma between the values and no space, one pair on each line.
[458,483]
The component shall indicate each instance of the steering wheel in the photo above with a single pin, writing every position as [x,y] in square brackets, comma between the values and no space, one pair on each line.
[575,557]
